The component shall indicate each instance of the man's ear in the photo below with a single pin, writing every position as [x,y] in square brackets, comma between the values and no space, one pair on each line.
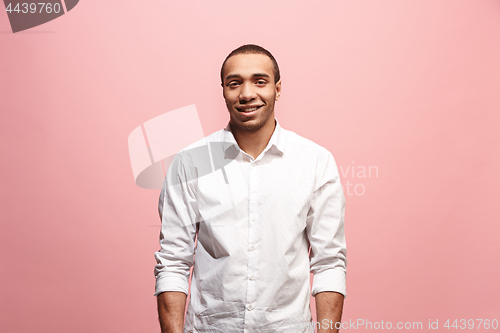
[278,89]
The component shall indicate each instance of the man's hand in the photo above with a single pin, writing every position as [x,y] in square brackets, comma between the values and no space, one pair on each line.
[329,305]
[171,307]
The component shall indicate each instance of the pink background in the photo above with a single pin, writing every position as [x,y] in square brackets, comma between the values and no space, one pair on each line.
[410,87]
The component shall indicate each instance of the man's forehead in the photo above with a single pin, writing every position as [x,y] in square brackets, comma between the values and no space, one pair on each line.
[248,64]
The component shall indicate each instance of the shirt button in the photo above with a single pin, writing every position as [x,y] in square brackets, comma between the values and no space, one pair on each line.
[252,247]
[251,277]
[249,307]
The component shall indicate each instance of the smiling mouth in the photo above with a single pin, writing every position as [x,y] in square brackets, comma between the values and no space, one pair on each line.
[249,109]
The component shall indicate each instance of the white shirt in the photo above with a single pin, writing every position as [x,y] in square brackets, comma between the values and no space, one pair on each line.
[255,219]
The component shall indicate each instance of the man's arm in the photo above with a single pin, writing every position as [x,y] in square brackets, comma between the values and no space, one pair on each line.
[329,306]
[177,240]
[171,307]
[325,231]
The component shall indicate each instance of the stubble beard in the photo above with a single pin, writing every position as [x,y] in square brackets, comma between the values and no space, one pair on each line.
[251,127]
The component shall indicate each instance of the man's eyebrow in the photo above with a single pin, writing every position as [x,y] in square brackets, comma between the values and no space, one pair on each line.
[233,76]
[260,75]
[237,76]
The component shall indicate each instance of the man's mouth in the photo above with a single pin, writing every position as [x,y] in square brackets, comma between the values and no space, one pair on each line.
[248,109]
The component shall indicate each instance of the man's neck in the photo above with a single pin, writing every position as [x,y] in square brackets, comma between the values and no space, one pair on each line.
[254,143]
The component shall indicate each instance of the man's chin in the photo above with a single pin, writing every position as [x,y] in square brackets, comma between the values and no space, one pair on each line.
[247,126]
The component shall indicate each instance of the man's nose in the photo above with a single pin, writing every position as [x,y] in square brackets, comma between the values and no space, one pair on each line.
[247,93]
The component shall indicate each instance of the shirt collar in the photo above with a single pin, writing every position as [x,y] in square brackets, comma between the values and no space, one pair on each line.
[276,143]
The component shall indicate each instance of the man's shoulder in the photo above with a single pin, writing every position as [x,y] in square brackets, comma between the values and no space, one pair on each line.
[195,157]
[299,143]
[217,136]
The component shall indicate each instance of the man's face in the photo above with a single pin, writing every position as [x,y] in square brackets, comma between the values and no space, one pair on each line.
[250,91]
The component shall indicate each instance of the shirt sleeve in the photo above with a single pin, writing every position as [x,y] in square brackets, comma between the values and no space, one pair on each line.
[325,229]
[178,214]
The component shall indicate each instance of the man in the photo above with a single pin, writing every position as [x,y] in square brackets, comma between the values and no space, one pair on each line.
[255,220]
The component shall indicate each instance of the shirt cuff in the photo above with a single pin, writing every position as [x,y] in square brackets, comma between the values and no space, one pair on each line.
[329,280]
[171,283]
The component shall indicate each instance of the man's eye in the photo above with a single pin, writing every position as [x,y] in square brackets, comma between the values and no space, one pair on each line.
[233,84]
[261,82]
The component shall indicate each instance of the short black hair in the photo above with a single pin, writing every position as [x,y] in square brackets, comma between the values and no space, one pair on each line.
[252,49]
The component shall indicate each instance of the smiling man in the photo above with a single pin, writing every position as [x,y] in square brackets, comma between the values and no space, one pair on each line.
[253,261]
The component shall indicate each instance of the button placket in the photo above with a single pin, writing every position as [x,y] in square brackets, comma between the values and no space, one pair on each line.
[252,239]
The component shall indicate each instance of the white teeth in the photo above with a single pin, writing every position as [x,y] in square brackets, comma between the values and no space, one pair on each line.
[250,109]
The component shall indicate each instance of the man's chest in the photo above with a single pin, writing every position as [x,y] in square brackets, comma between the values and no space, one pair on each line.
[270,197]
